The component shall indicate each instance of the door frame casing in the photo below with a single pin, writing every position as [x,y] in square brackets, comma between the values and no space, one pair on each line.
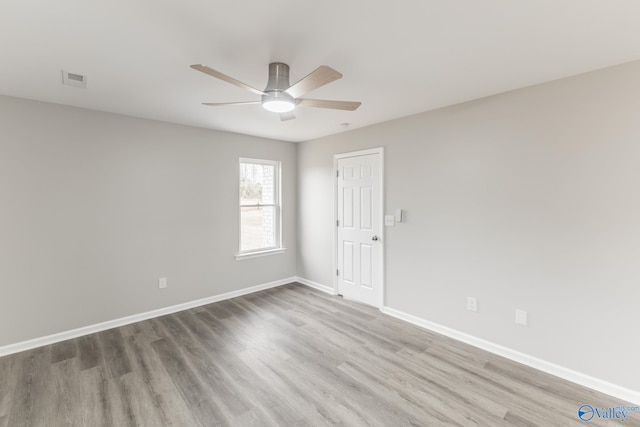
[380,219]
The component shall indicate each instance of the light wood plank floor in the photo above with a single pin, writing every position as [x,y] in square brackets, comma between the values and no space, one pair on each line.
[288,356]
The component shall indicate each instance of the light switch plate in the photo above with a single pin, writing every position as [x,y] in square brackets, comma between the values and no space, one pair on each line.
[389,220]
[162,282]
[399,215]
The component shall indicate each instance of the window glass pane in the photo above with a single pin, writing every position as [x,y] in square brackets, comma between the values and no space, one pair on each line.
[257,184]
[258,228]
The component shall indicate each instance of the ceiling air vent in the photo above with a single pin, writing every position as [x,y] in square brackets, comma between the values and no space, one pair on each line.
[72,79]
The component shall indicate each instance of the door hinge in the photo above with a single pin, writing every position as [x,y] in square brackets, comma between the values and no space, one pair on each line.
[337,223]
[337,272]
[337,173]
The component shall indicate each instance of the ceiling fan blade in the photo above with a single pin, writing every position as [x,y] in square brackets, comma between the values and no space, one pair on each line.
[220,104]
[221,76]
[287,116]
[320,77]
[325,103]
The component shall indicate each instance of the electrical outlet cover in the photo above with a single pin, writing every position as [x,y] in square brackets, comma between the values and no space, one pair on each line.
[521,317]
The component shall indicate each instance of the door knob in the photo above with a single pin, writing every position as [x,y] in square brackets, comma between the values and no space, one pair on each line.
[374,238]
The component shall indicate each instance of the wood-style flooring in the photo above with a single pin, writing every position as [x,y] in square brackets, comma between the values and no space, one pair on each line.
[288,356]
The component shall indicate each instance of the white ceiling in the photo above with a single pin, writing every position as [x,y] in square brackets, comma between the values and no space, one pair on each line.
[398,58]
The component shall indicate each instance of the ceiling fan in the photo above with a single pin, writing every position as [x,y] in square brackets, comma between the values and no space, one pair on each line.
[281,97]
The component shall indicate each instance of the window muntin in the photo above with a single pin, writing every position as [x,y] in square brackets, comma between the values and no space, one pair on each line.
[259,205]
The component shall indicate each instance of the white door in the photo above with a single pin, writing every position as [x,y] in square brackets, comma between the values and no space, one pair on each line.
[359,222]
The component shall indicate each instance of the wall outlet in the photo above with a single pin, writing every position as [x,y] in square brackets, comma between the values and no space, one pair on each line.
[162,282]
[389,220]
[521,317]
[472,304]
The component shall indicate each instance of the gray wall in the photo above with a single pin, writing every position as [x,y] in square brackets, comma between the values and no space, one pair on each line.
[529,199]
[96,207]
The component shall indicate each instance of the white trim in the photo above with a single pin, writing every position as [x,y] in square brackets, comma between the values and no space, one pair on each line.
[316,285]
[631,396]
[336,157]
[383,231]
[359,153]
[240,257]
[110,324]
[335,223]
[277,205]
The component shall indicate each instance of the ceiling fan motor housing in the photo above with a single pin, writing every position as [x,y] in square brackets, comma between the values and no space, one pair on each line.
[276,99]
[278,77]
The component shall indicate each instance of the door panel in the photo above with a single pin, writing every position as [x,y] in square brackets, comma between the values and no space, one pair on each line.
[366,210]
[366,264]
[348,261]
[359,247]
[348,207]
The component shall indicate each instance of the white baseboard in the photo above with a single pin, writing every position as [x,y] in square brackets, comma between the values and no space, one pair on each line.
[86,330]
[631,396]
[316,285]
[620,392]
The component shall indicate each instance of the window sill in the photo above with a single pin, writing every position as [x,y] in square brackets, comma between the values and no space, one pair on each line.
[240,257]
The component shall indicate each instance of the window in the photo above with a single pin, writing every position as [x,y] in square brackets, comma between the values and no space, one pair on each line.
[259,208]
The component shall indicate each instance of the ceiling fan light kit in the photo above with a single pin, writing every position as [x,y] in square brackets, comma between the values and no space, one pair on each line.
[276,104]
[280,96]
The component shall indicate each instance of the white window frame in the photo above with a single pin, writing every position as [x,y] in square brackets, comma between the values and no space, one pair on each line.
[277,204]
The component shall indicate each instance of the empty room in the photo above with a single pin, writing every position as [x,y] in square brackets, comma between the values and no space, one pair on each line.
[286,213]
